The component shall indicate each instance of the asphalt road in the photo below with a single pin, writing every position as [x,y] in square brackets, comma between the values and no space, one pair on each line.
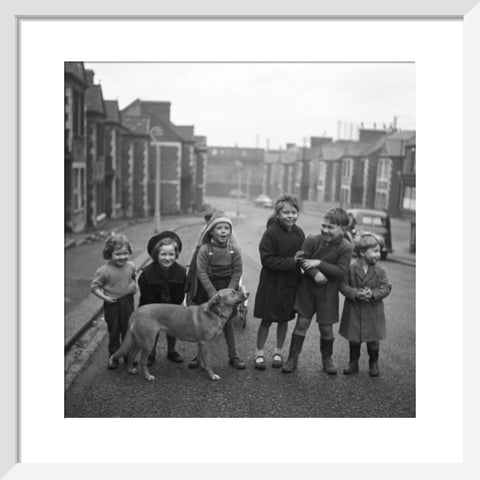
[308,392]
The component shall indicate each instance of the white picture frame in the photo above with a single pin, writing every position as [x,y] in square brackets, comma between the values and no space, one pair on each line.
[10,440]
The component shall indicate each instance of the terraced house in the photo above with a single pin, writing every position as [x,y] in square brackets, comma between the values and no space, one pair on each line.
[110,157]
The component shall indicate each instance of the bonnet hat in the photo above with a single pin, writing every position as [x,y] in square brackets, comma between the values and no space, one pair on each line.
[154,241]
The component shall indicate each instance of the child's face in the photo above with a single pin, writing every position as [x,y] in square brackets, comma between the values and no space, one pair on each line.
[221,232]
[372,255]
[166,255]
[288,216]
[120,256]
[331,231]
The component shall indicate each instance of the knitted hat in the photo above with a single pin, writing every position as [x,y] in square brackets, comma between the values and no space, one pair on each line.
[217,217]
[153,242]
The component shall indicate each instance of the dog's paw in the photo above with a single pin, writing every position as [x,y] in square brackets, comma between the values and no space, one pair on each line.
[132,371]
[150,378]
[215,377]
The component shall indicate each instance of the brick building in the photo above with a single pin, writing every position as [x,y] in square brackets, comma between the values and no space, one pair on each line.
[75,201]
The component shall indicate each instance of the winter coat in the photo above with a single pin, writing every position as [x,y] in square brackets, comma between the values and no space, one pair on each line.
[364,321]
[280,274]
[323,299]
[162,286]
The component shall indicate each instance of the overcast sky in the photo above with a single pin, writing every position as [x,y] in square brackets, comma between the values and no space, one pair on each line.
[248,103]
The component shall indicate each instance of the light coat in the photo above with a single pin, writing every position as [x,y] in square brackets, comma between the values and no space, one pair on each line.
[364,321]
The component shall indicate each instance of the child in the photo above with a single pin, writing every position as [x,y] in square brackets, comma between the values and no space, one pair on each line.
[326,260]
[218,265]
[163,281]
[363,318]
[115,284]
[279,277]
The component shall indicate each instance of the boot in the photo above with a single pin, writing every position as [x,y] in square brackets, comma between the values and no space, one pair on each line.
[295,349]
[354,357]
[373,362]
[326,349]
[172,354]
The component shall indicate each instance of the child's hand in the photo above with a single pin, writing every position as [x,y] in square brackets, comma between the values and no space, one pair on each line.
[299,255]
[362,295]
[320,278]
[309,263]
[110,299]
[367,293]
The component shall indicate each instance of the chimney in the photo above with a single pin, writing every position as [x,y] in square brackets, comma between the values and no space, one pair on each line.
[317,141]
[89,74]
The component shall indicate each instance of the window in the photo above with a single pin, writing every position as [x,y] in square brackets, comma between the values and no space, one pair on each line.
[100,140]
[78,188]
[346,168]
[214,151]
[409,198]
[381,201]
[78,113]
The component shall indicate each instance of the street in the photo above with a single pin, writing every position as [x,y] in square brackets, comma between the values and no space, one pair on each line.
[308,392]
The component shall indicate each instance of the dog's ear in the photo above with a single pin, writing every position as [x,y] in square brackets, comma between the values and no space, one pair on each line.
[214,300]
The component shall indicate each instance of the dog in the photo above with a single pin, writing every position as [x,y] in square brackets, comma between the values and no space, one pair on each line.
[194,323]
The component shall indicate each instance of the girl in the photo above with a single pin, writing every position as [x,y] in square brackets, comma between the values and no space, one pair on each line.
[279,277]
[218,265]
[163,281]
[363,318]
[115,284]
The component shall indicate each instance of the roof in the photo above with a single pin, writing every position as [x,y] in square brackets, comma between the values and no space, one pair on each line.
[186,131]
[137,125]
[113,112]
[395,144]
[94,99]
[77,70]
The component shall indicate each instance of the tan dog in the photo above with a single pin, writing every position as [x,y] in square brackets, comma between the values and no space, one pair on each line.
[199,324]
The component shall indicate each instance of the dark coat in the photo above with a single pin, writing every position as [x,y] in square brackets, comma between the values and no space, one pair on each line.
[364,321]
[280,274]
[311,297]
[162,286]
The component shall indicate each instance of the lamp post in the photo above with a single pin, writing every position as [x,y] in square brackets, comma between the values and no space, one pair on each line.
[239,166]
[155,134]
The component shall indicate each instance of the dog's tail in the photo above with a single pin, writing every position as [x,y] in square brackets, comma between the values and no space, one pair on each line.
[127,344]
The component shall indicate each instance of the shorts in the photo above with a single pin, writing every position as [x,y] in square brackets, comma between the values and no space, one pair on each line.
[320,301]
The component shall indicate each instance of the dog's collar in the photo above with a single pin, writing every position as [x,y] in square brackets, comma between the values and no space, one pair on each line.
[216,311]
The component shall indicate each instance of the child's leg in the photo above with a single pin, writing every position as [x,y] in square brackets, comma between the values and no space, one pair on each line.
[298,337]
[172,354]
[373,349]
[110,312]
[262,334]
[234,360]
[326,348]
[125,308]
[354,357]
[282,328]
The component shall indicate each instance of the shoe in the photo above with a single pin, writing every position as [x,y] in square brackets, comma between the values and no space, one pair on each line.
[195,363]
[259,363]
[351,368]
[237,363]
[277,361]
[175,357]
[328,365]
[373,369]
[112,364]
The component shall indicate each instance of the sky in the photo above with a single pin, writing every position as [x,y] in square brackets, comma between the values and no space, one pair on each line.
[268,104]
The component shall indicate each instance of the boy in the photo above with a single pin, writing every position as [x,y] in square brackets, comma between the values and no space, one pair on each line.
[326,260]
